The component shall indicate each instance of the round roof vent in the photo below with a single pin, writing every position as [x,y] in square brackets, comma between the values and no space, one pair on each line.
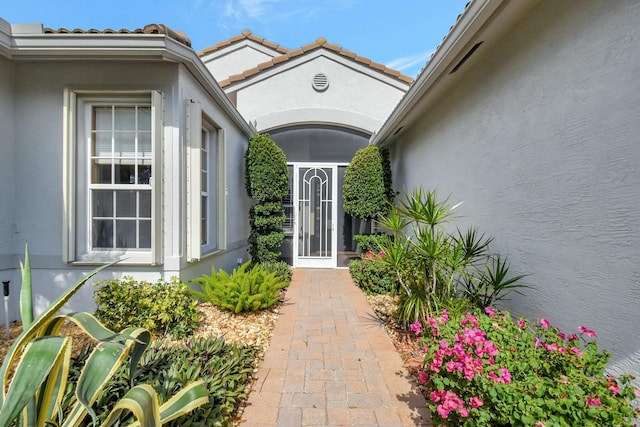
[320,82]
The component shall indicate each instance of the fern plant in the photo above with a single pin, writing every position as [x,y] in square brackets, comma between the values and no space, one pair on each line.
[243,290]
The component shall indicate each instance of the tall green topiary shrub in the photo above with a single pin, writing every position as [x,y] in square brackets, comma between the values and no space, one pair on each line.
[367,184]
[267,182]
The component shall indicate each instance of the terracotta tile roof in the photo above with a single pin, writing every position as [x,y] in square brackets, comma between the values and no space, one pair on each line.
[320,42]
[245,35]
[148,29]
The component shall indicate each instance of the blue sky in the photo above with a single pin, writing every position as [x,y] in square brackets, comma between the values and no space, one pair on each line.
[401,34]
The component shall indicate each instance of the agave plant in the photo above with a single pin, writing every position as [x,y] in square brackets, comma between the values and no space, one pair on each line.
[40,359]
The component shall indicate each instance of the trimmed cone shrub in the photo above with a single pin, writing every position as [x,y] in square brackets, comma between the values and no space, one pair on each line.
[267,182]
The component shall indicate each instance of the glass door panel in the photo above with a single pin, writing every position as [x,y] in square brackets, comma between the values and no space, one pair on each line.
[315,240]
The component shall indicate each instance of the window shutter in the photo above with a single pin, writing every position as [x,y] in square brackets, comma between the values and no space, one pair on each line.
[156,177]
[69,177]
[194,154]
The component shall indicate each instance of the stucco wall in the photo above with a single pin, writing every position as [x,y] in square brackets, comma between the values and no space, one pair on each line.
[236,58]
[7,179]
[541,140]
[38,173]
[287,97]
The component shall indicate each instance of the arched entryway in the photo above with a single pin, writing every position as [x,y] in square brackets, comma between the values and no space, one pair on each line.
[318,233]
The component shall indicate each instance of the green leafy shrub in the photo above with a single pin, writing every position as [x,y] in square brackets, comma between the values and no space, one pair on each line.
[244,289]
[367,184]
[487,370]
[373,276]
[161,307]
[167,367]
[436,267]
[267,182]
[281,269]
[40,359]
[369,242]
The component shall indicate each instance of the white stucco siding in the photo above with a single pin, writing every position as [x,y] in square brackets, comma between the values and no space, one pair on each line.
[353,97]
[7,147]
[541,140]
[237,58]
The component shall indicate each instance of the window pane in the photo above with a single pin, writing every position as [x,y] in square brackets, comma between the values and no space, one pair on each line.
[145,204]
[144,144]
[125,118]
[103,118]
[125,173]
[102,144]
[203,216]
[144,118]
[125,144]
[101,173]
[102,233]
[126,204]
[145,234]
[125,234]
[144,174]
[102,203]
[203,180]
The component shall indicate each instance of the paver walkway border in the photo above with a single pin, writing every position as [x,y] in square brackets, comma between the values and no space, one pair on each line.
[331,363]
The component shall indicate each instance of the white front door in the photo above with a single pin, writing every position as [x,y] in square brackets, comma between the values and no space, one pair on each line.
[315,211]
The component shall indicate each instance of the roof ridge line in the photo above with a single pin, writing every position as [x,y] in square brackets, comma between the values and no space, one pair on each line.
[244,35]
[320,42]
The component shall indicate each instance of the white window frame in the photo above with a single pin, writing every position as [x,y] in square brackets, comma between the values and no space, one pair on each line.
[77,244]
[198,123]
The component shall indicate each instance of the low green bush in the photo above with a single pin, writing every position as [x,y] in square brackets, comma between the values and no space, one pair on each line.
[368,242]
[484,369]
[161,307]
[373,276]
[226,370]
[281,269]
[245,289]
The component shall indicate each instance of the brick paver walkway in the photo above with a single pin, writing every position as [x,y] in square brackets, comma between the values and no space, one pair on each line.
[331,363]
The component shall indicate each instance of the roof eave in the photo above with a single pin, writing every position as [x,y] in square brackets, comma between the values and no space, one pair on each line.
[129,47]
[472,21]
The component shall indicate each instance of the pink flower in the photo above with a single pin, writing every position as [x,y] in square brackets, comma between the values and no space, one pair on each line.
[464,412]
[444,413]
[544,323]
[423,377]
[613,388]
[490,312]
[572,337]
[552,347]
[593,401]
[444,318]
[505,377]
[475,402]
[576,351]
[416,327]
[561,335]
[470,319]
[521,323]
[435,396]
[587,332]
[636,392]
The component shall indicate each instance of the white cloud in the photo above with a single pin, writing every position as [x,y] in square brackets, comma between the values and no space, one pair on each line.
[410,62]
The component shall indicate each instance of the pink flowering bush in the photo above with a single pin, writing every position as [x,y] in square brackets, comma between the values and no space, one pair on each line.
[484,369]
